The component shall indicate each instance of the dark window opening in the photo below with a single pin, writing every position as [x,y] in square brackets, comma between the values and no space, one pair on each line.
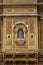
[8,55]
[20,33]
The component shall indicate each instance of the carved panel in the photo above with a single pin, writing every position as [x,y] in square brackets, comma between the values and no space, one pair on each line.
[20,10]
[9,43]
[8,10]
[8,25]
[32,42]
[33,38]
[31,26]
[8,32]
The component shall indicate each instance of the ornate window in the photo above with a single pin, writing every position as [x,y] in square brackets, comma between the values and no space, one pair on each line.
[20,32]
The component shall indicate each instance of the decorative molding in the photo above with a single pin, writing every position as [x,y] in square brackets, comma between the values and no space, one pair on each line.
[19,22]
[39,3]
[20,42]
[21,14]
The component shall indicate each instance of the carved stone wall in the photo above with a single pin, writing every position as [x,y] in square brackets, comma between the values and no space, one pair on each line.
[31,35]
